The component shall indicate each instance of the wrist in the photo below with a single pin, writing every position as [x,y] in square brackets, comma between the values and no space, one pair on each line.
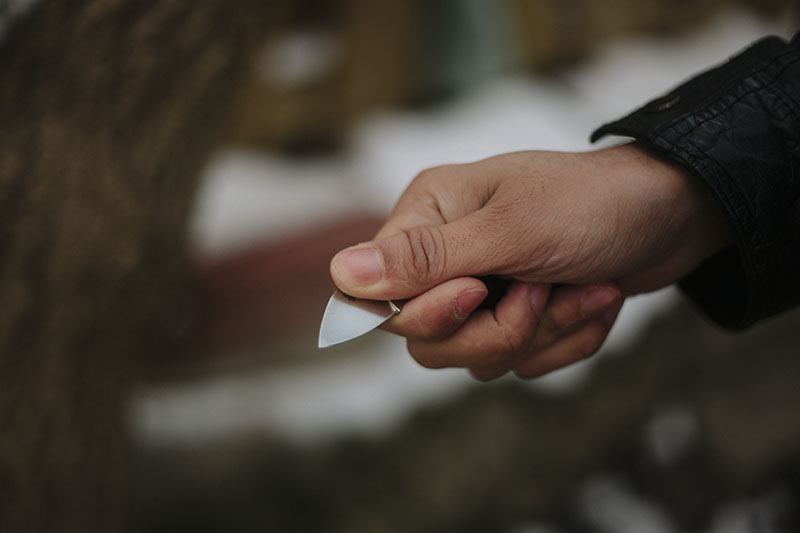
[706,230]
[674,209]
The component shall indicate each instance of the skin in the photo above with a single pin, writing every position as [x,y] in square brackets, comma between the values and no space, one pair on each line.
[577,232]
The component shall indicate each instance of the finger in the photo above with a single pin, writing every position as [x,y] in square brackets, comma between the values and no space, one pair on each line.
[571,306]
[488,336]
[410,262]
[437,313]
[582,344]
[436,196]
[489,373]
[412,210]
[568,309]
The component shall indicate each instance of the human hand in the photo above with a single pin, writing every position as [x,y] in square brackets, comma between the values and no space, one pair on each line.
[602,225]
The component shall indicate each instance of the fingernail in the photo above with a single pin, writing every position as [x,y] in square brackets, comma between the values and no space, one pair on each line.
[466,302]
[358,266]
[597,299]
[538,295]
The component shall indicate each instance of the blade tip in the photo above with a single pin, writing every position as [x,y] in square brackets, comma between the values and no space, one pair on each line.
[325,343]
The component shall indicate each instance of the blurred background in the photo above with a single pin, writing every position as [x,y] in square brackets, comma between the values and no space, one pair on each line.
[239,423]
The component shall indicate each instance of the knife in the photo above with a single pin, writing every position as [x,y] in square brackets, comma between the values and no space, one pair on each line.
[346,317]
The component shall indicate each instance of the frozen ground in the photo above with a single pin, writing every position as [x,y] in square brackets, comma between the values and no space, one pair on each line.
[252,196]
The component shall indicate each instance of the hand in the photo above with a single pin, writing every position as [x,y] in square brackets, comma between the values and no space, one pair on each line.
[603,225]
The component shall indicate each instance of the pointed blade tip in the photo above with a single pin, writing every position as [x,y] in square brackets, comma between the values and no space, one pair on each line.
[327,344]
[326,339]
[337,321]
[323,344]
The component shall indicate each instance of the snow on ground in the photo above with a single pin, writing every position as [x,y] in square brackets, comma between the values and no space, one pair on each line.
[252,196]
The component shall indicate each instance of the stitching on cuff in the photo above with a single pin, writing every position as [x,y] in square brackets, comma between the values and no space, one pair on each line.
[733,198]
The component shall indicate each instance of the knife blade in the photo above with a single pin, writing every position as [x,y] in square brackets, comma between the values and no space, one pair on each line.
[346,318]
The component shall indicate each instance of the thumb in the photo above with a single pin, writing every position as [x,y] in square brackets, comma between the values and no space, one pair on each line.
[414,260]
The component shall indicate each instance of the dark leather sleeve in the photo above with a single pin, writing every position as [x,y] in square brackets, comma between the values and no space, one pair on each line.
[737,127]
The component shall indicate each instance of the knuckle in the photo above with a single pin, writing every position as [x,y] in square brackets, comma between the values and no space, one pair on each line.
[486,374]
[514,341]
[427,257]
[424,328]
[526,371]
[432,173]
[588,344]
[427,179]
[425,175]
[522,374]
[423,357]
[552,329]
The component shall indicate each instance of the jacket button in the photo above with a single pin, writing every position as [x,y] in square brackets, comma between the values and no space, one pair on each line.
[663,103]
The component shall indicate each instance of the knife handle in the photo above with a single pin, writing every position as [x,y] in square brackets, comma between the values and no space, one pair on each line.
[497,288]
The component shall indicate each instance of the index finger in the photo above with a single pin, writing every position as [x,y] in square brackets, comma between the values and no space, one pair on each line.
[489,337]
[436,196]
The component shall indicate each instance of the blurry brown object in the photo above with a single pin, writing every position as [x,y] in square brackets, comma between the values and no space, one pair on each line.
[323,63]
[328,63]
[108,110]
[555,33]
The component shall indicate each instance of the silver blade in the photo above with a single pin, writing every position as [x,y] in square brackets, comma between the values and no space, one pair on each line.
[346,318]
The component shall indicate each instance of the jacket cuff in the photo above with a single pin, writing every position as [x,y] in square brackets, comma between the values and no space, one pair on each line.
[736,128]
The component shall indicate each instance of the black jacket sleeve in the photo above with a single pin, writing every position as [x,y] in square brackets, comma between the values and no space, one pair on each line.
[737,127]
